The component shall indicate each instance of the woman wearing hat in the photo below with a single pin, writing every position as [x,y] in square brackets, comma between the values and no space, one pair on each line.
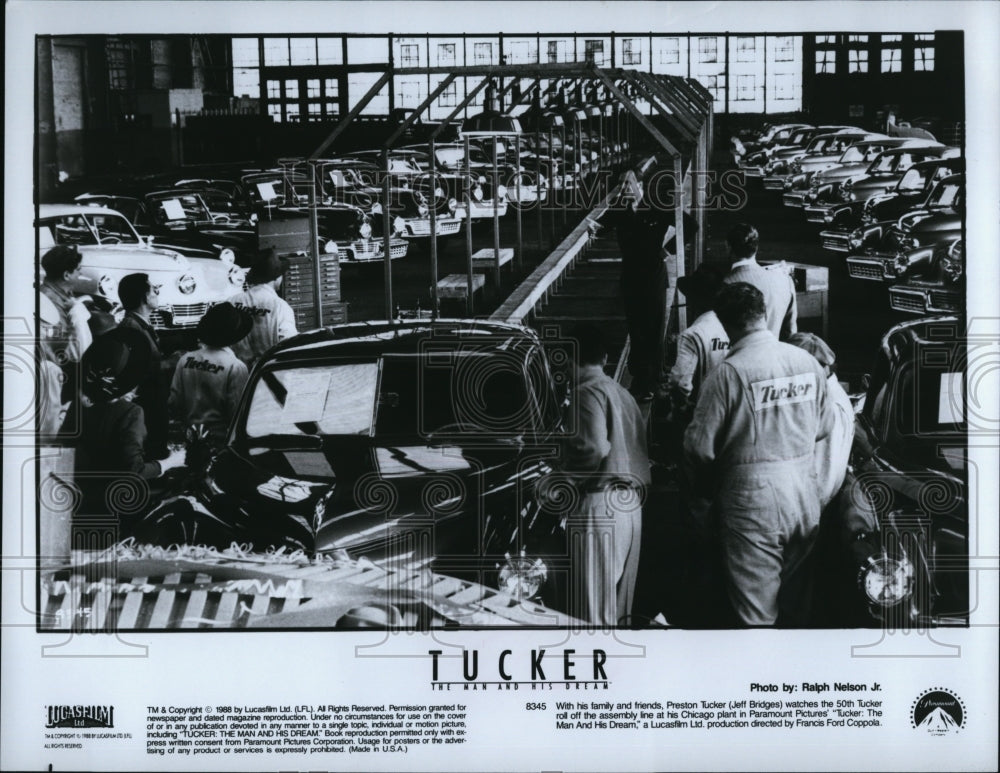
[113,427]
[208,382]
[273,319]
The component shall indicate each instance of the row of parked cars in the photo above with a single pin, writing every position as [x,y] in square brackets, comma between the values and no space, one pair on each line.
[894,206]
[197,235]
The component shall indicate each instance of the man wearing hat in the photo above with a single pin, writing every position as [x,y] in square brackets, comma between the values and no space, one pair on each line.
[273,319]
[112,441]
[703,345]
[208,382]
[140,298]
[833,451]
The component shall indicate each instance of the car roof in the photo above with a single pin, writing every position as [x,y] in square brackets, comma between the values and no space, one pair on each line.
[46,211]
[898,342]
[405,336]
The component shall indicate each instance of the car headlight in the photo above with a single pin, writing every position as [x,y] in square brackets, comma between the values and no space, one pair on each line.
[900,263]
[399,225]
[452,206]
[522,577]
[365,230]
[887,581]
[477,193]
[501,191]
[330,248]
[376,208]
[422,209]
[186,284]
[856,239]
[237,276]
[107,285]
[227,256]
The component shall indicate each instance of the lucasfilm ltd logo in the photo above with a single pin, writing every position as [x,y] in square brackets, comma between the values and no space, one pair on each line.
[80,716]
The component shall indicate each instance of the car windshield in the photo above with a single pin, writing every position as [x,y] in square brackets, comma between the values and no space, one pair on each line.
[91,229]
[946,195]
[396,395]
[343,177]
[179,208]
[455,156]
[914,180]
[888,163]
[853,155]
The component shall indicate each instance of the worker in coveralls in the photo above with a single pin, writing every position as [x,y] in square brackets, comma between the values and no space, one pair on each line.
[774,282]
[608,462]
[273,318]
[751,443]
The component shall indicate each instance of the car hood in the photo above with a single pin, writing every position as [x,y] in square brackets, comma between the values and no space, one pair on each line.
[133,257]
[355,493]
[838,172]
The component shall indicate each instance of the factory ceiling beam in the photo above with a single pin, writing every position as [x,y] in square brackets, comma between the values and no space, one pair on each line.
[418,110]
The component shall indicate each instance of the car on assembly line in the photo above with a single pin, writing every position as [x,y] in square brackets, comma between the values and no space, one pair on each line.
[886,252]
[770,135]
[908,569]
[822,148]
[111,248]
[754,165]
[422,441]
[938,289]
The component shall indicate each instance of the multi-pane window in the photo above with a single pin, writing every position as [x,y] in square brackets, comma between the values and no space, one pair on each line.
[409,93]
[556,51]
[331,87]
[276,52]
[594,51]
[746,85]
[670,50]
[329,51]
[892,60]
[783,87]
[746,50]
[826,61]
[315,111]
[291,111]
[784,48]
[919,38]
[857,38]
[923,59]
[291,89]
[520,52]
[303,50]
[708,50]
[274,111]
[857,60]
[446,54]
[312,88]
[409,55]
[482,53]
[631,51]
[274,89]
[826,40]
[892,38]
[449,97]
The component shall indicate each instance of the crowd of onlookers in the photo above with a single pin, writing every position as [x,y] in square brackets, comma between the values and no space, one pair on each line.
[114,389]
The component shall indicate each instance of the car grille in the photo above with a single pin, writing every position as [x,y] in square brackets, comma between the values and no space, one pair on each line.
[793,199]
[944,300]
[774,183]
[834,240]
[817,213]
[907,300]
[864,269]
[423,227]
[178,315]
[397,248]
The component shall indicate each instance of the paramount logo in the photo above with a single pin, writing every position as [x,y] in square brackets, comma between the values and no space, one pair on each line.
[784,391]
[80,716]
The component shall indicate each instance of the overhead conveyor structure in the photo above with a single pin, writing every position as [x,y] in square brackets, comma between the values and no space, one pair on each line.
[669,115]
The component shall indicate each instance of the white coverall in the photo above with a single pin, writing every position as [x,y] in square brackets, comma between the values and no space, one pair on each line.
[273,321]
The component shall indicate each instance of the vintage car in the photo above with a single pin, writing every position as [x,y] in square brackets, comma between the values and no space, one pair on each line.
[910,568]
[363,185]
[422,441]
[891,251]
[406,170]
[356,236]
[769,136]
[811,174]
[449,159]
[822,149]
[110,249]
[754,165]
[910,192]
[938,289]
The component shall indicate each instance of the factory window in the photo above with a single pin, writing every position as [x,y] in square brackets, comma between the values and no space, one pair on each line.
[746,50]
[670,50]
[746,85]
[409,56]
[594,52]
[923,59]
[520,52]
[276,52]
[329,51]
[274,89]
[331,87]
[410,93]
[292,112]
[857,60]
[291,89]
[446,54]
[449,97]
[631,51]
[826,62]
[332,109]
[483,53]
[245,53]
[892,38]
[892,60]
[556,50]
[822,40]
[708,49]
[857,38]
[312,88]
[274,111]
[783,87]
[924,37]
[315,111]
[303,51]
[784,49]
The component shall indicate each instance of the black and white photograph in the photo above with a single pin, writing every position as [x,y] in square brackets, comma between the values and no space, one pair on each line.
[641,348]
